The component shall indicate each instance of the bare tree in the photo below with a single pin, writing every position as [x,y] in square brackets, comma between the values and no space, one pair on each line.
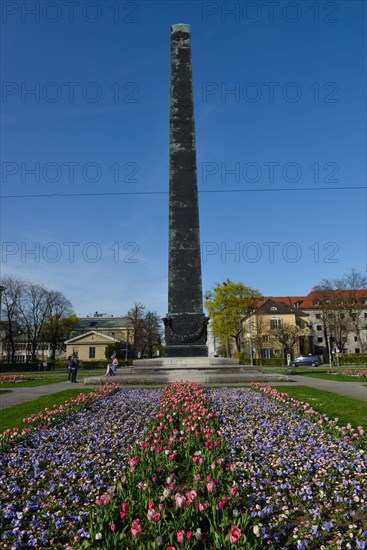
[152,332]
[55,325]
[12,298]
[287,335]
[34,309]
[137,315]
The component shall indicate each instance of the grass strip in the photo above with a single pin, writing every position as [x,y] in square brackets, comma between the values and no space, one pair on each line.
[347,409]
[12,417]
[50,378]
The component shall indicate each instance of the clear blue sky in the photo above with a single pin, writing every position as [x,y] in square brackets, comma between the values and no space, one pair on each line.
[281,159]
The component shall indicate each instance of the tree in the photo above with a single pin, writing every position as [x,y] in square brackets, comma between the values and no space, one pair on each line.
[136,315]
[152,333]
[147,328]
[341,307]
[34,309]
[12,298]
[259,334]
[227,304]
[287,335]
[59,321]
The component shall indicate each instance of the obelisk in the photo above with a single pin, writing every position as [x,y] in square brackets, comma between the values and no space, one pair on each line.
[185,323]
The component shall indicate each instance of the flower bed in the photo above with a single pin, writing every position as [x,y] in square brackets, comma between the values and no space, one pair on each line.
[178,490]
[357,373]
[16,378]
[303,488]
[348,433]
[51,481]
[186,468]
[48,417]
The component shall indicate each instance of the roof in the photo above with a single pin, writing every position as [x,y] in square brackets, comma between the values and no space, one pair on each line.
[317,295]
[106,323]
[271,306]
[86,334]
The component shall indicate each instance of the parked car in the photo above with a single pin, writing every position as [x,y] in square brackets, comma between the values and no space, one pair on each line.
[304,360]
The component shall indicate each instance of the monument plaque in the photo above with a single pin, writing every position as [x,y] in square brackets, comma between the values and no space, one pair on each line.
[185,323]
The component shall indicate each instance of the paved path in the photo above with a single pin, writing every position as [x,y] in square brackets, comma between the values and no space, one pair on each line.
[21,395]
[350,389]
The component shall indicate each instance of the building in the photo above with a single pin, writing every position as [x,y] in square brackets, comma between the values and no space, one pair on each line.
[338,319]
[275,329]
[92,335]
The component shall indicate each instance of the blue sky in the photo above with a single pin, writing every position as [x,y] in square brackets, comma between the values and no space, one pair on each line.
[280,105]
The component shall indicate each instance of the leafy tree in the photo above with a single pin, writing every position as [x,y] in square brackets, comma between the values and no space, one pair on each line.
[227,304]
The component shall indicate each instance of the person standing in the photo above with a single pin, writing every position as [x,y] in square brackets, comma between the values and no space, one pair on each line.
[74,368]
[68,366]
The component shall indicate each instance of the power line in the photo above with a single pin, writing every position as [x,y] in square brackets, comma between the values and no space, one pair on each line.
[111,194]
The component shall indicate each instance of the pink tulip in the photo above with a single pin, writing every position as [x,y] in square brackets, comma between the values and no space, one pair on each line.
[136,529]
[234,534]
[181,535]
[210,486]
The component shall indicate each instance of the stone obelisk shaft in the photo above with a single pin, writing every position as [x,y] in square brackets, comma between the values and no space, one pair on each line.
[185,322]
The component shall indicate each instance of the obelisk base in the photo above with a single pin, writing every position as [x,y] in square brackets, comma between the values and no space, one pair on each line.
[186,335]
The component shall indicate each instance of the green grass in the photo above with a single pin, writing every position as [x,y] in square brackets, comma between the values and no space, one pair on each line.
[347,409]
[12,417]
[5,391]
[50,378]
[337,377]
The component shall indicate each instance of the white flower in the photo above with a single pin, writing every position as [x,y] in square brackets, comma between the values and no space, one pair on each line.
[98,536]
[256,530]
[198,534]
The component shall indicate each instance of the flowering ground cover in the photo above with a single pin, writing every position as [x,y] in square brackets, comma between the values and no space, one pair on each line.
[303,487]
[178,490]
[355,373]
[186,468]
[50,481]
[17,378]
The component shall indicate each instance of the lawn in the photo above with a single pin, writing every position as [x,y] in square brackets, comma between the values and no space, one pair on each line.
[12,417]
[347,409]
[317,372]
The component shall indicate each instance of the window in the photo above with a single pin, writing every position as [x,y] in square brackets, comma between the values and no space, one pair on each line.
[275,324]
[266,353]
[316,302]
[76,351]
[273,308]
[365,315]
[364,301]
[357,350]
[318,315]
[266,338]
[92,353]
[355,339]
[319,339]
[318,327]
